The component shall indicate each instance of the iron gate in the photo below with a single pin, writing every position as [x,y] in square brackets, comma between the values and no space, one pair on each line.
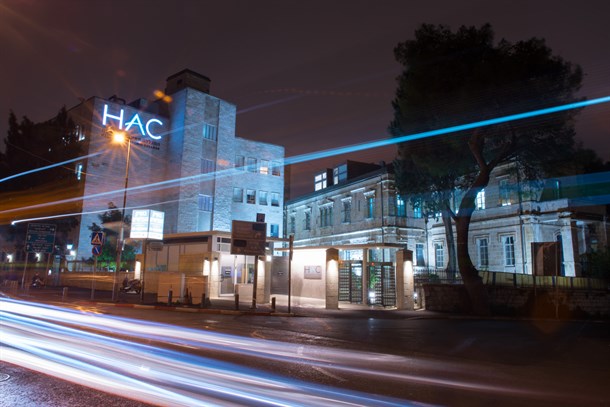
[350,281]
[382,284]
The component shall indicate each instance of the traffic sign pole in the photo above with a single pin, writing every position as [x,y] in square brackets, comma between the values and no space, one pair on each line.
[27,255]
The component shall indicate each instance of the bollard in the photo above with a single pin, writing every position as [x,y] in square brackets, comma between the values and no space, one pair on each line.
[236,302]
[273,304]
[64,293]
[169,297]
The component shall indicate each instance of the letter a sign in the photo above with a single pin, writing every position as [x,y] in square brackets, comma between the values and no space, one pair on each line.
[97,238]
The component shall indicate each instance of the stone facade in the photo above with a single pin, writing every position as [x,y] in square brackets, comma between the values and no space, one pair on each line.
[182,161]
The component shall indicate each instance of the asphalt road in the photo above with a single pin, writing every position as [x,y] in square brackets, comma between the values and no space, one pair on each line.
[419,357]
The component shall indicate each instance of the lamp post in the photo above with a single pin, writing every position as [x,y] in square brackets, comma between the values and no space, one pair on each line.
[120,137]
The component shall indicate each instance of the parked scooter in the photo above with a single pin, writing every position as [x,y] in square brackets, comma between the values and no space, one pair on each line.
[37,282]
[131,286]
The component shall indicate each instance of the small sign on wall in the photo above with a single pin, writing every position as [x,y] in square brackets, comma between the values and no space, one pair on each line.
[313,273]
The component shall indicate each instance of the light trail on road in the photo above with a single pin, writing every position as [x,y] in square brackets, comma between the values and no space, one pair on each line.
[44,338]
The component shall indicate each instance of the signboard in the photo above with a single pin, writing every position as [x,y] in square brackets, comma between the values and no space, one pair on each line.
[97,238]
[248,238]
[96,250]
[312,272]
[40,238]
[147,224]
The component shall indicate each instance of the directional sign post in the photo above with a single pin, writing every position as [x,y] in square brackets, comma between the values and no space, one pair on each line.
[97,241]
[40,239]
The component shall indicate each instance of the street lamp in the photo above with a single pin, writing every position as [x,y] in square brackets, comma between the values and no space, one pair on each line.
[120,137]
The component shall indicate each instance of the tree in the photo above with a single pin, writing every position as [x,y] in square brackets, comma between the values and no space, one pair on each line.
[452,78]
[30,146]
[110,224]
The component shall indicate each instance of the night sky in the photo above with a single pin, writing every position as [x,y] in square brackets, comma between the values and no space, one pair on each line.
[308,75]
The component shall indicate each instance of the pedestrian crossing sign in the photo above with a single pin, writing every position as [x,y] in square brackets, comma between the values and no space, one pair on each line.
[97,238]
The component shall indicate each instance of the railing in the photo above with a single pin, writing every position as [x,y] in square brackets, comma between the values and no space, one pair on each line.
[424,275]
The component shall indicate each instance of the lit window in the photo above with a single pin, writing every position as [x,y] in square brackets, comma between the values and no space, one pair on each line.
[320,181]
[401,207]
[326,216]
[262,197]
[250,196]
[264,167]
[209,132]
[238,195]
[274,230]
[78,170]
[340,174]
[509,250]
[480,200]
[206,203]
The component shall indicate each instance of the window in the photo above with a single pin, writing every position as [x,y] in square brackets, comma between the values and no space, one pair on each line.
[207,166]
[401,207]
[238,194]
[347,212]
[274,230]
[419,255]
[263,168]
[262,197]
[307,220]
[206,203]
[251,164]
[78,170]
[320,181]
[275,199]
[292,223]
[275,168]
[483,253]
[504,193]
[340,174]
[370,206]
[326,216]
[79,131]
[239,162]
[209,132]
[439,255]
[250,196]
[509,250]
[480,200]
[417,209]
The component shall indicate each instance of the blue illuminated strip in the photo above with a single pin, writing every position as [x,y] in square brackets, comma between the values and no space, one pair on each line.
[49,166]
[382,143]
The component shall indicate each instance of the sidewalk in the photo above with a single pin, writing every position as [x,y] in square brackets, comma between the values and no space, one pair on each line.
[300,306]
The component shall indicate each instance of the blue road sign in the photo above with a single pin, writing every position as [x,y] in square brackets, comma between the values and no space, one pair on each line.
[96,250]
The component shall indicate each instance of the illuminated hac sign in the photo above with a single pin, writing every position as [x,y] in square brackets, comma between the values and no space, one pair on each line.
[147,224]
[134,121]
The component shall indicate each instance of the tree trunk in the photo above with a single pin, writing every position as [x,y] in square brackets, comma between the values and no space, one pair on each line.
[449,237]
[479,297]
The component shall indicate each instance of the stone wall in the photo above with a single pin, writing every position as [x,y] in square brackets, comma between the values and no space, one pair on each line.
[522,302]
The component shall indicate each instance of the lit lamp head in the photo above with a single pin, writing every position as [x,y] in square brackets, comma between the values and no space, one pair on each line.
[119,137]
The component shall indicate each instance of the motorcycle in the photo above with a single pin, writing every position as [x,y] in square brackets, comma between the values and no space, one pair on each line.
[37,283]
[133,285]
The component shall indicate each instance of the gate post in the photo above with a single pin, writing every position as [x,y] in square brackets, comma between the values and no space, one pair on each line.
[404,280]
[332,278]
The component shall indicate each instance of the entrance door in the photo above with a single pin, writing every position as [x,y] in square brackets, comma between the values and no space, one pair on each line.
[227,280]
[350,281]
[382,284]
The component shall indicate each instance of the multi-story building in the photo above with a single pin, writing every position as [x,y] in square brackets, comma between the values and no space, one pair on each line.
[183,159]
[356,209]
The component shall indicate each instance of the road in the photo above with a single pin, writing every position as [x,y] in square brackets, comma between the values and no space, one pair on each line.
[258,360]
